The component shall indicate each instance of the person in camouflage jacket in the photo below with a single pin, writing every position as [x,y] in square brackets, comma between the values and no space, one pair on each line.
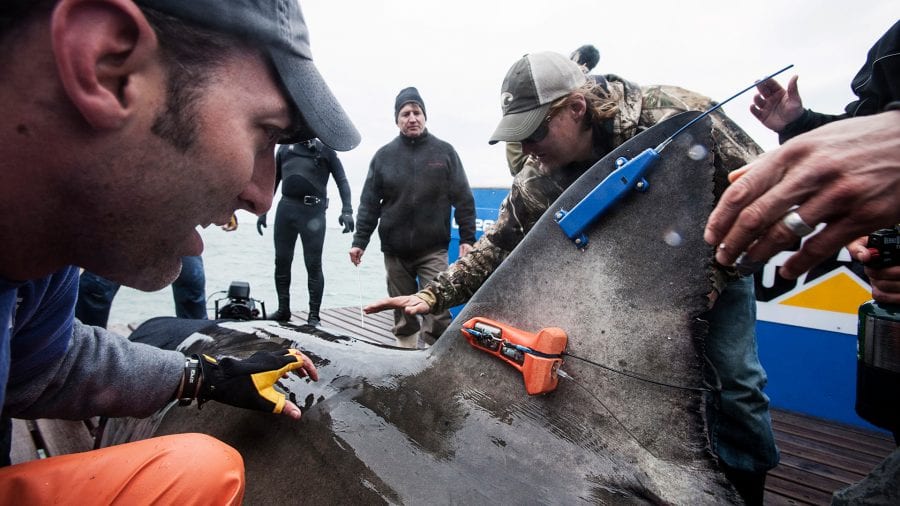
[740,426]
[535,188]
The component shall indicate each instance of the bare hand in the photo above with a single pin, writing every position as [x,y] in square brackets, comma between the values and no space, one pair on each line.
[885,282]
[845,174]
[356,255]
[308,370]
[464,249]
[291,410]
[410,304]
[774,106]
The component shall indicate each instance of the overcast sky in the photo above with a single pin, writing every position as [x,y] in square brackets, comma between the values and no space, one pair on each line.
[457,53]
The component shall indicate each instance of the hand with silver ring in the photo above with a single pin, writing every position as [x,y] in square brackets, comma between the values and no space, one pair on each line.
[845,175]
[795,224]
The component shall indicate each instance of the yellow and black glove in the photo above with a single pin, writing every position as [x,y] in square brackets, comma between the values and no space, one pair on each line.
[247,383]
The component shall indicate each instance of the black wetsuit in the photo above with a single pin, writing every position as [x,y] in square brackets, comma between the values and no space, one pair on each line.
[303,170]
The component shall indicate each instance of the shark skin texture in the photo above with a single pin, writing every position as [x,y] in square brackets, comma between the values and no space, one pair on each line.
[454,425]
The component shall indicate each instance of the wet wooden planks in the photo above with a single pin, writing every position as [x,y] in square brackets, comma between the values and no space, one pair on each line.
[819,457]
[350,321]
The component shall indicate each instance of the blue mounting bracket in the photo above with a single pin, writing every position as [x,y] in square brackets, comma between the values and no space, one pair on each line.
[628,176]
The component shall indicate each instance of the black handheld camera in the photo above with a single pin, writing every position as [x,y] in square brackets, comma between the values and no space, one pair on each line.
[240,305]
[884,245]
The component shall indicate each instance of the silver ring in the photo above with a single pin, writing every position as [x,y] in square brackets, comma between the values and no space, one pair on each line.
[795,224]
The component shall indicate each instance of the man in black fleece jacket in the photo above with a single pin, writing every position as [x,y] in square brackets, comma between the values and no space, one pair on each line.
[412,183]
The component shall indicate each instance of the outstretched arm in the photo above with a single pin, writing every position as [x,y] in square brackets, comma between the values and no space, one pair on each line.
[410,304]
[451,287]
[845,174]
[245,383]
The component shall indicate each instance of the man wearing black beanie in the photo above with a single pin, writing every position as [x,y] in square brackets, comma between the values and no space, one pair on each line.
[409,96]
[413,182]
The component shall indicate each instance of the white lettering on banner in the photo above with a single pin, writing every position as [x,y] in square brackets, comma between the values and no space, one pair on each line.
[483,224]
[480,225]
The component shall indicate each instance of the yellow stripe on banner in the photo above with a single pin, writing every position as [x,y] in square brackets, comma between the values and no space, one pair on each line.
[840,293]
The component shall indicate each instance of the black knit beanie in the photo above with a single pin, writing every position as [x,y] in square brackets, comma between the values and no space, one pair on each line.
[406,96]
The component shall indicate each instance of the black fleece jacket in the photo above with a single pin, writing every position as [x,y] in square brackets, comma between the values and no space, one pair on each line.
[412,183]
[877,85]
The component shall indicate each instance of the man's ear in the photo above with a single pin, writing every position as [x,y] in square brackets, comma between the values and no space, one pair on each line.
[99,46]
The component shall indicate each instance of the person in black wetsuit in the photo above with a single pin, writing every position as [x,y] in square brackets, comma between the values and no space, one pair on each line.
[303,170]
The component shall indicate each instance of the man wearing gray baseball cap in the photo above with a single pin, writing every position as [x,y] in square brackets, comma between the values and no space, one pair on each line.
[127,124]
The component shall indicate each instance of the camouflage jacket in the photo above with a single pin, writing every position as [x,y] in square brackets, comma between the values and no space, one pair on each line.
[534,190]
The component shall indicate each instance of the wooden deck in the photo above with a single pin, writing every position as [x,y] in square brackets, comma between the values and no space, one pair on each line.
[817,456]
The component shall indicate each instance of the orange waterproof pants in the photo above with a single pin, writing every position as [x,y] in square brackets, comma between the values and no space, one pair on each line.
[183,469]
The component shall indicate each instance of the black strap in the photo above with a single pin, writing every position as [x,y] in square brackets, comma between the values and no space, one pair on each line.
[190,381]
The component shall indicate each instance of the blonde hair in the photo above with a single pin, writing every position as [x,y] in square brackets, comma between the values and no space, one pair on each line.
[601,104]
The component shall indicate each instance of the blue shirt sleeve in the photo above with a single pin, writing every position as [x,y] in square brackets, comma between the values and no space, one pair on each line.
[42,323]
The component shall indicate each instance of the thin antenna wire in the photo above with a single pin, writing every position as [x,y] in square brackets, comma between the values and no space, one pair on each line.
[666,142]
[613,415]
[637,376]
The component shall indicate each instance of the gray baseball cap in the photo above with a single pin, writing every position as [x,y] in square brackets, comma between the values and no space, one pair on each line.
[529,89]
[277,26]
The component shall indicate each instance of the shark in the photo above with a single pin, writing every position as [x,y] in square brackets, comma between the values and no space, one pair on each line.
[451,424]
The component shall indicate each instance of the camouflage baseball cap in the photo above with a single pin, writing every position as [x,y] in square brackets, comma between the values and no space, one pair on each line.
[278,28]
[529,88]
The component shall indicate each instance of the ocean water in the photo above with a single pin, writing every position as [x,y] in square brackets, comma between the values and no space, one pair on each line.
[242,255]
